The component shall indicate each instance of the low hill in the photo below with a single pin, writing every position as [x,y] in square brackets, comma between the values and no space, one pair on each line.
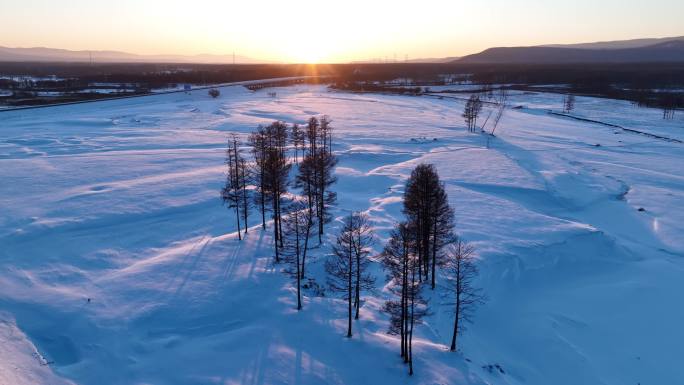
[670,51]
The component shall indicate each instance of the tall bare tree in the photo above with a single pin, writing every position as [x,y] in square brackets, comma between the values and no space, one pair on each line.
[275,171]
[235,193]
[427,209]
[298,225]
[347,266]
[315,176]
[231,193]
[471,112]
[258,142]
[402,263]
[501,105]
[298,139]
[568,103]
[362,232]
[462,271]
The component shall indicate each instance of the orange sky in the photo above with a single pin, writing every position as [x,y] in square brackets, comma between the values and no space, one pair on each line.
[328,31]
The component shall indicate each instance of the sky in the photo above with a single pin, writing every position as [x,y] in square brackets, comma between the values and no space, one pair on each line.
[329,31]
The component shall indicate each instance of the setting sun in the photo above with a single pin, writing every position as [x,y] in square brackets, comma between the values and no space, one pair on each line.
[317,31]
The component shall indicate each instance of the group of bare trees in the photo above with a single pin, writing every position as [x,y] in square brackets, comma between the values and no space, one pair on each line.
[417,247]
[298,225]
[474,107]
[409,306]
[420,249]
[315,174]
[263,183]
[234,194]
[271,175]
[471,112]
[348,268]
[429,215]
[568,103]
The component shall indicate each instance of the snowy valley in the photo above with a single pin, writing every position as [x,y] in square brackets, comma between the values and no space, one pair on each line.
[120,265]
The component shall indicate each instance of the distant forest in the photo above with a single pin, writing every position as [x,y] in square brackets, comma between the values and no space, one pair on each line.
[655,84]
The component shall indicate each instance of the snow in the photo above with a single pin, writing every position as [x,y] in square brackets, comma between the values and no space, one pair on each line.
[118,264]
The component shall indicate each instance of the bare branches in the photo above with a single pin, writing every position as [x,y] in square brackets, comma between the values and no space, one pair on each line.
[427,210]
[402,263]
[298,224]
[235,194]
[315,175]
[462,272]
[347,267]
[472,111]
[568,103]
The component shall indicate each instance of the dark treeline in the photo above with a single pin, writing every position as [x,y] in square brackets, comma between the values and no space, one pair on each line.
[637,76]
[640,83]
[70,80]
[157,75]
[636,82]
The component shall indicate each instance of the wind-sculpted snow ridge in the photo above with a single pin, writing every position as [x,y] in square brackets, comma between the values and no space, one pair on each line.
[119,265]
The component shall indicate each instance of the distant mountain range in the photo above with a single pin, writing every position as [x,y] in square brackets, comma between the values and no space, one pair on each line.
[41,54]
[615,44]
[628,51]
[669,49]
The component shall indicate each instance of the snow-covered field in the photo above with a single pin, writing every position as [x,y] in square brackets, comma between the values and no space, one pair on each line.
[118,264]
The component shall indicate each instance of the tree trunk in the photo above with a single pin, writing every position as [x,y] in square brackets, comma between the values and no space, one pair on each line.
[404,304]
[349,296]
[237,216]
[306,244]
[357,297]
[280,220]
[263,199]
[458,308]
[434,251]
[297,251]
[321,214]
[275,230]
[410,344]
[244,196]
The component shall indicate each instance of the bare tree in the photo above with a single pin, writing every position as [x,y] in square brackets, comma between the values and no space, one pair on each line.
[568,103]
[362,232]
[427,209]
[462,271]
[244,181]
[315,175]
[274,178]
[502,104]
[347,266]
[298,139]
[258,142]
[298,225]
[472,110]
[231,194]
[402,263]
[234,193]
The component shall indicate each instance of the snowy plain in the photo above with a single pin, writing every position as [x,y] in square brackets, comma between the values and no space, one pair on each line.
[118,264]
